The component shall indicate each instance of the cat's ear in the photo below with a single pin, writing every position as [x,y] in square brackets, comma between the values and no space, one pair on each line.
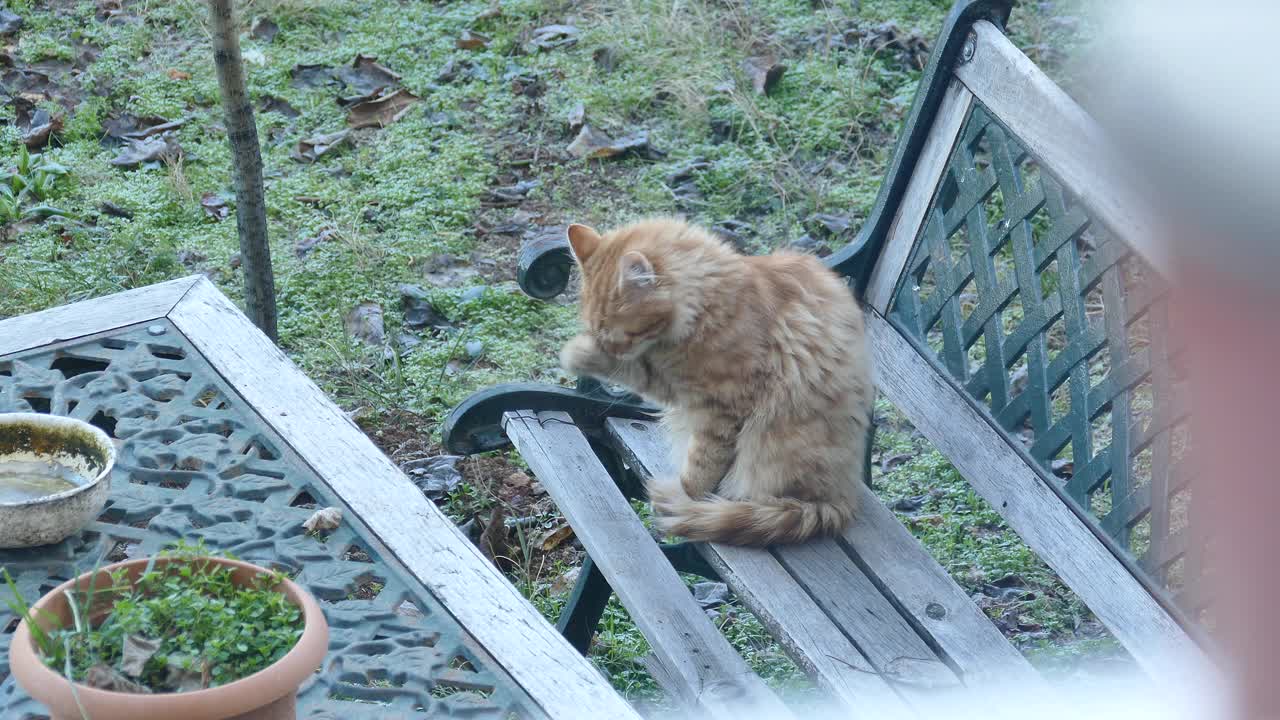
[584,241]
[635,272]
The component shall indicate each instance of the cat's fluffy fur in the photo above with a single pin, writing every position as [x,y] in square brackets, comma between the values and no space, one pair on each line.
[760,364]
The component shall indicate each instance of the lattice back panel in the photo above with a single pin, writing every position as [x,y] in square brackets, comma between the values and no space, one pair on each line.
[195,462]
[1062,332]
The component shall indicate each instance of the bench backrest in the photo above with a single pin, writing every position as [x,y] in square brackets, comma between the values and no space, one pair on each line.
[1018,319]
[1010,255]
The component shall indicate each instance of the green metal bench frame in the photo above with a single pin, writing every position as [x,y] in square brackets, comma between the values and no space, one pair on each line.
[993,158]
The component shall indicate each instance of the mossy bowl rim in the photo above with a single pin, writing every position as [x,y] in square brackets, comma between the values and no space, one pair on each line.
[69,428]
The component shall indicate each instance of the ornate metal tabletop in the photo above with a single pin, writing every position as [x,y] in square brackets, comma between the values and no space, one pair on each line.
[196,463]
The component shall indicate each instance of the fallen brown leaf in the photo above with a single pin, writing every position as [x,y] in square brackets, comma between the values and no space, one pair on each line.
[364,323]
[114,210]
[912,46]
[594,144]
[493,541]
[765,72]
[310,75]
[190,258]
[509,195]
[462,69]
[184,676]
[264,29]
[304,246]
[606,58]
[550,37]
[518,480]
[158,129]
[271,103]
[329,518]
[214,206]
[526,83]
[471,41]
[148,150]
[564,582]
[366,77]
[577,117]
[132,127]
[43,127]
[555,537]
[108,9]
[382,110]
[136,653]
[310,149]
[105,677]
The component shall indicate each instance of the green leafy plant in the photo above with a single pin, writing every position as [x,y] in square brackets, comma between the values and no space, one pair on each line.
[184,625]
[25,187]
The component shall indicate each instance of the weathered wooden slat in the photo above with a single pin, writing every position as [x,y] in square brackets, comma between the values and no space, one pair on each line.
[927,596]
[810,637]
[815,641]
[88,317]
[669,683]
[895,561]
[558,678]
[921,187]
[1031,508]
[849,597]
[1060,134]
[691,651]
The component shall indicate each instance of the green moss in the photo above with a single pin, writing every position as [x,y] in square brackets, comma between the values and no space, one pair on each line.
[86,123]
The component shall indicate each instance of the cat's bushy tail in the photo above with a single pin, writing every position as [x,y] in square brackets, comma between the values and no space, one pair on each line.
[740,522]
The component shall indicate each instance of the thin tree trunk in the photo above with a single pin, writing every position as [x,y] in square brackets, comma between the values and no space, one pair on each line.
[251,207]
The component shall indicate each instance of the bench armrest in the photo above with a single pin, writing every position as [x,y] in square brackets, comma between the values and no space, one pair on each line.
[855,260]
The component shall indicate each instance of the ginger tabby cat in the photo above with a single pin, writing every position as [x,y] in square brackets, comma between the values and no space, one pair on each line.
[759,363]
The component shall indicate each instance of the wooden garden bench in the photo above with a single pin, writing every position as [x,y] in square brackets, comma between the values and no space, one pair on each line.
[1017,319]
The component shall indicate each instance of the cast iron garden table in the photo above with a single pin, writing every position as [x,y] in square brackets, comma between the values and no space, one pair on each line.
[221,439]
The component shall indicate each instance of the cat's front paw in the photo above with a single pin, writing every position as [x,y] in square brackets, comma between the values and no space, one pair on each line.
[582,356]
[665,494]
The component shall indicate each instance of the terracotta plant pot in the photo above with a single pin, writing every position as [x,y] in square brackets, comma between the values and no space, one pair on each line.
[269,694]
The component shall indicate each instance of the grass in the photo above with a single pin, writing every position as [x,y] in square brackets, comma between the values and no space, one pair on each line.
[399,202]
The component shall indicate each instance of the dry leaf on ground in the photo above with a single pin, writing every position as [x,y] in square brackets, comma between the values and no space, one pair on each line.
[310,149]
[214,206]
[329,518]
[765,73]
[471,41]
[555,537]
[550,37]
[381,110]
[364,323]
[593,144]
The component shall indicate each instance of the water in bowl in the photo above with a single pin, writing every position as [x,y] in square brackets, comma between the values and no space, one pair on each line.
[25,481]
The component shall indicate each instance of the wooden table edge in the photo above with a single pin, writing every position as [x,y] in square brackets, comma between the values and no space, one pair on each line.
[92,316]
[560,681]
